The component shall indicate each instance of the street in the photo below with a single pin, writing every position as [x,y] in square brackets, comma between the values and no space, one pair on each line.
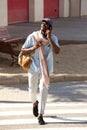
[66,107]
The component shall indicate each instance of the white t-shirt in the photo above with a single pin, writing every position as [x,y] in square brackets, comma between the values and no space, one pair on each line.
[35,65]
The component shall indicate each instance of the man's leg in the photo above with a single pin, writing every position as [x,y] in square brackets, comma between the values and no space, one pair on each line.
[33,85]
[42,101]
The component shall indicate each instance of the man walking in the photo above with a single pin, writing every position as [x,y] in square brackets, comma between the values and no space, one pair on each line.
[42,44]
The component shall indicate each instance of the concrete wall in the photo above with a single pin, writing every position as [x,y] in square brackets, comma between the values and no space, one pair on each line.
[66,8]
[63,8]
[36,10]
[3,13]
[83,7]
[31,10]
[74,8]
[39,5]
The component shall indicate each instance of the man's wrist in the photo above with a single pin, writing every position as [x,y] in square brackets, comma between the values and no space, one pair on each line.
[33,48]
[49,38]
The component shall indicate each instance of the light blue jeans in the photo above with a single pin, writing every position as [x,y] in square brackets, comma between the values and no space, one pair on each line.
[35,81]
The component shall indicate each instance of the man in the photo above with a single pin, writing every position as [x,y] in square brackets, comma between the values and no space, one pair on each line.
[41,44]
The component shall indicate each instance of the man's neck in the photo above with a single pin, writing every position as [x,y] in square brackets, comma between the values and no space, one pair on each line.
[43,34]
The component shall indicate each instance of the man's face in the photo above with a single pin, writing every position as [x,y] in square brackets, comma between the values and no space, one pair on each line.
[44,26]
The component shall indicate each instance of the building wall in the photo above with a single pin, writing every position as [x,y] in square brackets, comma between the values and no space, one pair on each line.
[18,11]
[74,8]
[3,13]
[35,10]
[39,7]
[64,8]
[61,8]
[39,11]
[51,11]
[31,10]
[67,8]
[83,7]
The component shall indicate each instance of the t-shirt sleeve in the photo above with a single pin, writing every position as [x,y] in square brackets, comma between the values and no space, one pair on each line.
[55,39]
[29,41]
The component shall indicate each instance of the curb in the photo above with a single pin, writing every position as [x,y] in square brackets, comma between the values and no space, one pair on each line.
[22,79]
[73,42]
[68,77]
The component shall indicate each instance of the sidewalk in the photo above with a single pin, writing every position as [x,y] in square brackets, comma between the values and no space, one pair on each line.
[70,64]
